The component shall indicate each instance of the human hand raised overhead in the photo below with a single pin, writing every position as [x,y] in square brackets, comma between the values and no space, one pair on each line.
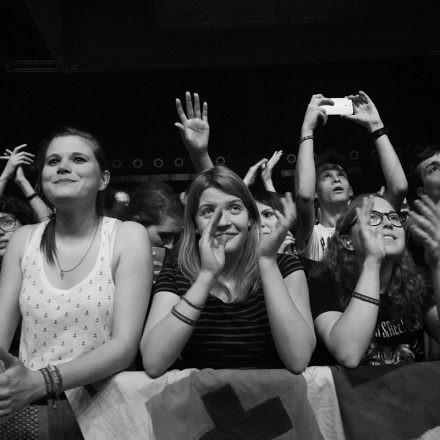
[266,170]
[315,113]
[425,223]
[15,158]
[252,172]
[270,243]
[364,112]
[212,246]
[193,126]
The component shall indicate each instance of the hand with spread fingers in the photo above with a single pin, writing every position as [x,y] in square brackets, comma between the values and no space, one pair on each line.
[425,223]
[364,112]
[271,243]
[266,170]
[212,246]
[19,385]
[193,126]
[252,173]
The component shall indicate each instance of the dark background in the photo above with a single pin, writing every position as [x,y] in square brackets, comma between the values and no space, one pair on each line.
[116,68]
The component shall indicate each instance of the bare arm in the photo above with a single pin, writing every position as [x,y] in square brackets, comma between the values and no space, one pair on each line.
[14,159]
[287,300]
[194,131]
[305,175]
[366,114]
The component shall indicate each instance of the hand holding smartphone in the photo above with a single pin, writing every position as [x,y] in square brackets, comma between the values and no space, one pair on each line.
[342,106]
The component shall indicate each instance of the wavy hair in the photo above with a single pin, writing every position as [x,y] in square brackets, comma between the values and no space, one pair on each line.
[246,272]
[405,293]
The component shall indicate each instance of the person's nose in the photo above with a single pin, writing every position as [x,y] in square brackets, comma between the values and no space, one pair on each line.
[386,223]
[225,220]
[63,167]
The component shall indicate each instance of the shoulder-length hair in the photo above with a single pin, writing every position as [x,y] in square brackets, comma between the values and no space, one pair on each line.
[246,272]
[48,246]
[404,295]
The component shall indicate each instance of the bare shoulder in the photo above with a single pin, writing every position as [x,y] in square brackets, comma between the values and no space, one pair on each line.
[130,236]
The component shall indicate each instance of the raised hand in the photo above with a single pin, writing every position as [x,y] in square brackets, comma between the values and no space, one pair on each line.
[266,170]
[364,112]
[288,244]
[251,175]
[15,159]
[212,247]
[193,126]
[372,243]
[426,225]
[315,113]
[271,243]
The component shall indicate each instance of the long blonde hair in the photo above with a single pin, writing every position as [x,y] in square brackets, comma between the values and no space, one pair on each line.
[246,274]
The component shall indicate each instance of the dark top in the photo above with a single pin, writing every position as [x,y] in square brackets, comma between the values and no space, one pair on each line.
[234,335]
[394,340]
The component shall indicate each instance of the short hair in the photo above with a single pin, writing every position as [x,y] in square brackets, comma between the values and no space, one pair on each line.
[330,161]
[415,180]
[152,202]
[19,209]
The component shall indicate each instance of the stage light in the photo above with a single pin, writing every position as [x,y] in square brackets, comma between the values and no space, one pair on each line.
[353,155]
[178,162]
[291,158]
[220,160]
[158,162]
[137,163]
[116,163]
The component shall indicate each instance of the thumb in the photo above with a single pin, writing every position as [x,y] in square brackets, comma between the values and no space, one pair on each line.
[8,359]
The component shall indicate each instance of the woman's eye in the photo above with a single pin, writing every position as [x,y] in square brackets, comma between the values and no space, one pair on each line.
[235,208]
[206,211]
[52,161]
[78,159]
[433,169]
[268,214]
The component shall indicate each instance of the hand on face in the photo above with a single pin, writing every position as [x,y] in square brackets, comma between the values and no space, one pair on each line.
[271,242]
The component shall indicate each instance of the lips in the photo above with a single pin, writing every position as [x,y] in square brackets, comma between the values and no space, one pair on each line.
[338,189]
[389,237]
[64,181]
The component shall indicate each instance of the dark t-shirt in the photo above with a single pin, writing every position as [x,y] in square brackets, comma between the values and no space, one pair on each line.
[394,340]
[233,335]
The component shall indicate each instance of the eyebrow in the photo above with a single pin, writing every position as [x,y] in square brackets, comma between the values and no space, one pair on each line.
[229,202]
[434,162]
[73,153]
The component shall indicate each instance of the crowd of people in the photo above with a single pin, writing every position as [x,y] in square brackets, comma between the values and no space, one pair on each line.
[217,277]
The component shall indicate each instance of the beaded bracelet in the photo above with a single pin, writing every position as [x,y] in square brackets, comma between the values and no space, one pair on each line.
[47,381]
[304,138]
[182,318]
[57,380]
[366,298]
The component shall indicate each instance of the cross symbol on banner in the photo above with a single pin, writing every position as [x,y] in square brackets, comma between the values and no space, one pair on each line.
[263,422]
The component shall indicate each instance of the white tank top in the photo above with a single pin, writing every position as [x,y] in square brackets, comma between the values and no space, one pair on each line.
[60,325]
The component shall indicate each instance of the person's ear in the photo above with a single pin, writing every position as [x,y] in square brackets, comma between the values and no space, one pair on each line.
[105,180]
[420,191]
[346,242]
[350,192]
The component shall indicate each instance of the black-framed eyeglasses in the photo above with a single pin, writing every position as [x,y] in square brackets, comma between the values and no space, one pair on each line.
[397,219]
[8,223]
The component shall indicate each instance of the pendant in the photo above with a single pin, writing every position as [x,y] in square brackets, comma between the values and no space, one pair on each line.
[62,274]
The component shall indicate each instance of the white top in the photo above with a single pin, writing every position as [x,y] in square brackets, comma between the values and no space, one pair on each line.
[60,325]
[318,242]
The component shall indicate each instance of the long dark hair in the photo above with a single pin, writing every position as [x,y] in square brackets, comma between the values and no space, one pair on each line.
[405,293]
[48,245]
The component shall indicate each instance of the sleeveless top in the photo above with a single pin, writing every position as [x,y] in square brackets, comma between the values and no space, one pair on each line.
[60,325]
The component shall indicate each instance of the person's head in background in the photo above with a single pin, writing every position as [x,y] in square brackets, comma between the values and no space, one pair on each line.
[116,203]
[158,207]
[424,175]
[14,213]
[333,190]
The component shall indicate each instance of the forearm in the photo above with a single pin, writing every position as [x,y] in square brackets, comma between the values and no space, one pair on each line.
[201,161]
[164,341]
[395,179]
[3,184]
[40,208]
[351,335]
[294,338]
[305,176]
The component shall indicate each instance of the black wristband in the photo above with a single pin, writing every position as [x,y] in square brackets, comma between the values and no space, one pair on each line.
[32,196]
[379,132]
[366,298]
[304,138]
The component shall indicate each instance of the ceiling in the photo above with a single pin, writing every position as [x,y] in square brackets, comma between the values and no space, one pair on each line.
[68,36]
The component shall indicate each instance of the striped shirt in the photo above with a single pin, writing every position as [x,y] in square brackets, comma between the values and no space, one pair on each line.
[234,335]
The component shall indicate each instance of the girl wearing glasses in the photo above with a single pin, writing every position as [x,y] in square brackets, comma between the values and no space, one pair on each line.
[368,303]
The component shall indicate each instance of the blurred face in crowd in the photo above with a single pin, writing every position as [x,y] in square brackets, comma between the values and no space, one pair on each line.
[8,225]
[332,185]
[267,217]
[429,171]
[165,233]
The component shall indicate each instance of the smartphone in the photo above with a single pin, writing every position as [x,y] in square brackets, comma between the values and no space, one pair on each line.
[343,106]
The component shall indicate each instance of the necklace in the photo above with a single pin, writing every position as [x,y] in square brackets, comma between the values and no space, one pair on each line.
[63,271]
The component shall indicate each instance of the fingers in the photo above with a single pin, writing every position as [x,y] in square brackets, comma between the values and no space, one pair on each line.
[197,112]
[189,105]
[20,147]
[275,158]
[205,112]
[212,224]
[364,96]
[180,113]
[259,164]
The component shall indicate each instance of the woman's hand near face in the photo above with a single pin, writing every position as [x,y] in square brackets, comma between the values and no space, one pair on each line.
[212,247]
[372,244]
[271,243]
